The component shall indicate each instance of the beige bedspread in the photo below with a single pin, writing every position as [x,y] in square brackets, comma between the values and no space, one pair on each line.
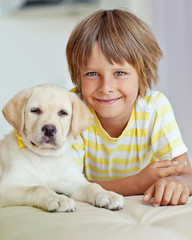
[137,220]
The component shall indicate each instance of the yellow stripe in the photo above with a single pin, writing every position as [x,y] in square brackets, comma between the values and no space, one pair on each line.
[148,99]
[163,132]
[146,158]
[78,146]
[140,132]
[168,148]
[164,110]
[142,116]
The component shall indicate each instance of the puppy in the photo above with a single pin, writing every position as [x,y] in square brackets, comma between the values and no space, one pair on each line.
[36,163]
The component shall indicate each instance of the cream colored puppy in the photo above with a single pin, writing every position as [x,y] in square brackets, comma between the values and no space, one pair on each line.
[38,165]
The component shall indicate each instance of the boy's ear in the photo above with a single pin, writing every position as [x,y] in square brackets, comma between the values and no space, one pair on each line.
[82,118]
[13,111]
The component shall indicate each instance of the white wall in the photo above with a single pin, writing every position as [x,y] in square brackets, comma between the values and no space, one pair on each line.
[32,51]
[173,28]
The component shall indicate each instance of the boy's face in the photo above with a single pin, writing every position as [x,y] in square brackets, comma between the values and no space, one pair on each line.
[111,89]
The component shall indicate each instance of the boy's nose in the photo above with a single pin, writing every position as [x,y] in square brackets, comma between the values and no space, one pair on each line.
[106,85]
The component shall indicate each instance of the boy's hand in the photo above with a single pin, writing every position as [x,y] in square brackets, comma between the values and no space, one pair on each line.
[167,191]
[157,170]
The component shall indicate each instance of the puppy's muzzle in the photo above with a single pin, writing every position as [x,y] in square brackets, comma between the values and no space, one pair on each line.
[49,132]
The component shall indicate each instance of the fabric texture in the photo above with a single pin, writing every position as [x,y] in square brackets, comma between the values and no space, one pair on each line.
[136,221]
[151,134]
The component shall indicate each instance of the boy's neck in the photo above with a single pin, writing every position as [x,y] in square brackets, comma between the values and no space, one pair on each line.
[114,127]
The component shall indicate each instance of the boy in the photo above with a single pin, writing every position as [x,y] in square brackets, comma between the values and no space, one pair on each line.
[134,145]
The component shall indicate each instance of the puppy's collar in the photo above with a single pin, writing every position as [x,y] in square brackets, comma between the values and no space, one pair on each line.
[19,140]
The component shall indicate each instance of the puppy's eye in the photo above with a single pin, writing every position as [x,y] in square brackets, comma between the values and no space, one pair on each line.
[36,110]
[62,113]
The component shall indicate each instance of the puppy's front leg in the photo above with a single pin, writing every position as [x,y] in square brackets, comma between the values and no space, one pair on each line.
[92,193]
[36,196]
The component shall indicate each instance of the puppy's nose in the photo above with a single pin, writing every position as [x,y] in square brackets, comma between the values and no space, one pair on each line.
[49,130]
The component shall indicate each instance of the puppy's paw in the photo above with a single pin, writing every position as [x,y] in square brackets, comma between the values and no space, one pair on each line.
[61,203]
[109,200]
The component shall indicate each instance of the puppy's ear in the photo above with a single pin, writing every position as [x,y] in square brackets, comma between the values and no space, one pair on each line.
[82,118]
[14,110]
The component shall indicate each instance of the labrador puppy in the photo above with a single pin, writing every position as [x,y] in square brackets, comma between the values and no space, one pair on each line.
[36,163]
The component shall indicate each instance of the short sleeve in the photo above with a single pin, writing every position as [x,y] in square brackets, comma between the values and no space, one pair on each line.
[166,139]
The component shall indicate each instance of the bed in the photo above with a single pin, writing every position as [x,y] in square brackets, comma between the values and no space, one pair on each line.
[138,220]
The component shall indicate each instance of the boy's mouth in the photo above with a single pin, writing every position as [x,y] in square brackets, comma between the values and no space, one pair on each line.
[107,101]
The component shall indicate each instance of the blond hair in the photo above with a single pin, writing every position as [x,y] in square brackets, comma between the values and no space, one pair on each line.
[121,36]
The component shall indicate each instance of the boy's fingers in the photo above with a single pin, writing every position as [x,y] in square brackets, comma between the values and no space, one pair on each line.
[164,196]
[167,163]
[149,194]
[158,195]
[167,193]
[172,170]
[184,197]
[175,198]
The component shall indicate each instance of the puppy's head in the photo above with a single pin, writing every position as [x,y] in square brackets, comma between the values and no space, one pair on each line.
[45,116]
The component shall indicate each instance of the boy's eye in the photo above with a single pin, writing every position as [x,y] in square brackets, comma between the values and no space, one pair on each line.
[92,74]
[119,73]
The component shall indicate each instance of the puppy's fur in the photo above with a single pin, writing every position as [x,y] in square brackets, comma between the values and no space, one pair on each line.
[47,117]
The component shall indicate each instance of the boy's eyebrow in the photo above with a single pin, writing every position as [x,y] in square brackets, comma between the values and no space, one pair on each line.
[86,68]
[122,68]
[115,68]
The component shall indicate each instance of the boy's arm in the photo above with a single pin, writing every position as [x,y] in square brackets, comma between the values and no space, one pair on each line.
[172,190]
[139,183]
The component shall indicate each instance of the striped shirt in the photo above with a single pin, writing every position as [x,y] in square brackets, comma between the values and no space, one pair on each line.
[151,134]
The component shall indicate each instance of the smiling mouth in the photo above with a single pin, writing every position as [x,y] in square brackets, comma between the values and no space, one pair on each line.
[107,101]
